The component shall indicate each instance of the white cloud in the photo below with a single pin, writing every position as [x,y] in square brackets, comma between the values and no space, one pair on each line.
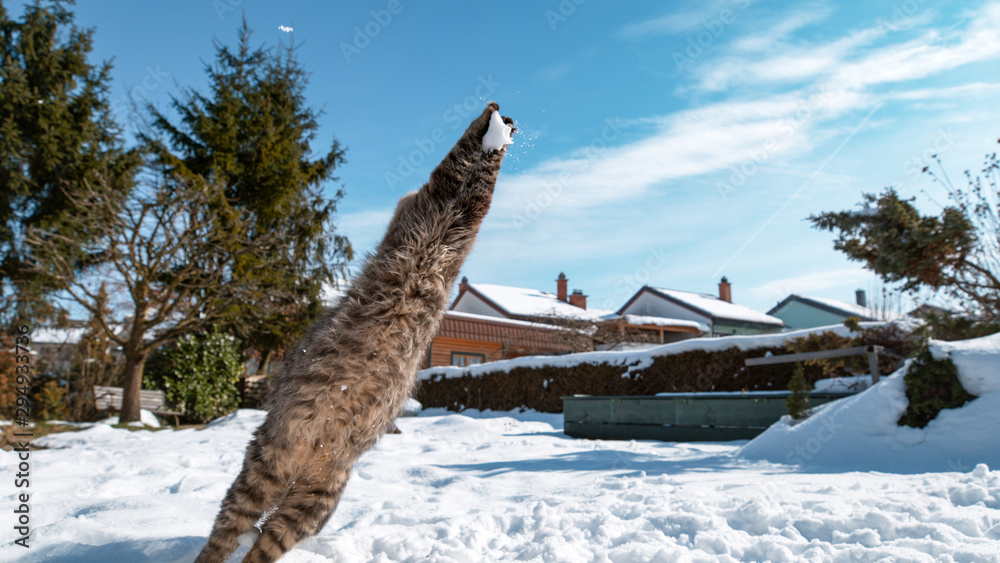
[727,133]
[776,34]
[850,62]
[949,92]
[680,21]
[924,56]
[687,144]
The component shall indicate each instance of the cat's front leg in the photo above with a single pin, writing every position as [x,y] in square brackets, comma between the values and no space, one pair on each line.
[454,169]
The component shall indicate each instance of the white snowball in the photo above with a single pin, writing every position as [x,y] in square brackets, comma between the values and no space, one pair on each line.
[498,134]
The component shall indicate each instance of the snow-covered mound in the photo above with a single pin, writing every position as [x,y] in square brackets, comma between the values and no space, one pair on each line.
[411,407]
[860,432]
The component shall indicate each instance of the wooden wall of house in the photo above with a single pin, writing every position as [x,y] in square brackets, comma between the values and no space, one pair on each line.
[442,348]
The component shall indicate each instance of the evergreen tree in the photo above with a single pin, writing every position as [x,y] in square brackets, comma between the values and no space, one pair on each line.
[251,134]
[56,132]
[957,252]
[798,401]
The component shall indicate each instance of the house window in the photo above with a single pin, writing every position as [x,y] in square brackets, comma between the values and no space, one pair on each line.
[464,359]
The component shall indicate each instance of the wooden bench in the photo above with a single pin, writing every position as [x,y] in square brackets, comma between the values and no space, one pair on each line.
[106,398]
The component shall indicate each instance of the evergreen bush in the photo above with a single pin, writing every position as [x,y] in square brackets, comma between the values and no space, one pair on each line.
[198,374]
[798,401]
[931,385]
[49,401]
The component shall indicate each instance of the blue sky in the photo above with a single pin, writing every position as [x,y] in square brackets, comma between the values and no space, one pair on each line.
[660,143]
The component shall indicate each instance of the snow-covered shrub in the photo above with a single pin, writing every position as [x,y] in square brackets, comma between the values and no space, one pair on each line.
[198,374]
[931,385]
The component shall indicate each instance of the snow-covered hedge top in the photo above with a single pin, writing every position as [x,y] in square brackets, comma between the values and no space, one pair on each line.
[639,358]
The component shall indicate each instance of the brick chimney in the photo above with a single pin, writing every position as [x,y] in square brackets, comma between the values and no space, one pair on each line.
[578,299]
[561,282]
[725,290]
[464,284]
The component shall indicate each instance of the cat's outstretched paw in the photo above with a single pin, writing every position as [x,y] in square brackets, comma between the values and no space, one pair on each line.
[488,134]
[498,134]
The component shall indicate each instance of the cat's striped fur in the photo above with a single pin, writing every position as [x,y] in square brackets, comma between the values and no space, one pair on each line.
[343,385]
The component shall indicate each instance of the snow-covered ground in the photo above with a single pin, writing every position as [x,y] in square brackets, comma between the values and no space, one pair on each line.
[500,487]
[512,487]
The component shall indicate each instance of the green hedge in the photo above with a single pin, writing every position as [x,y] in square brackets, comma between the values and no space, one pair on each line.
[541,388]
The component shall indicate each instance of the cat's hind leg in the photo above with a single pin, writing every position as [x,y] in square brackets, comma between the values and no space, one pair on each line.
[257,488]
[304,510]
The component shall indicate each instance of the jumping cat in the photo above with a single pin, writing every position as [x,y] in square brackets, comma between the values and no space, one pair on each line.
[343,385]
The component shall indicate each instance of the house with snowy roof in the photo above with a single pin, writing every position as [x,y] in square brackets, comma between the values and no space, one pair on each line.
[56,346]
[570,310]
[465,339]
[526,304]
[715,315]
[488,322]
[801,311]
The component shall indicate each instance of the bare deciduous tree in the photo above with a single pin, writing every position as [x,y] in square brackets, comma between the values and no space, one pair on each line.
[169,255]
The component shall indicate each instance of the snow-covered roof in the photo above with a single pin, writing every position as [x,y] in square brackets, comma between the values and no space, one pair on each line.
[499,320]
[837,306]
[524,302]
[52,335]
[716,308]
[663,321]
